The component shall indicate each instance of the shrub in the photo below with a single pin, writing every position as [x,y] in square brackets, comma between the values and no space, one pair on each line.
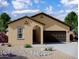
[9,45]
[48,49]
[3,38]
[2,44]
[28,46]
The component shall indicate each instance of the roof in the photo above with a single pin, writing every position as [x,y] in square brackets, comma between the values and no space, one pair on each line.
[23,18]
[38,21]
[51,17]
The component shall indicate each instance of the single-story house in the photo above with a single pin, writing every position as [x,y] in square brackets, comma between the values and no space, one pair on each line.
[38,29]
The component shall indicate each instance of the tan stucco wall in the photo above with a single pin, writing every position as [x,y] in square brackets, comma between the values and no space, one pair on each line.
[55,27]
[28,28]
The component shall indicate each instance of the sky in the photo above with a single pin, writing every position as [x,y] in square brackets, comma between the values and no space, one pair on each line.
[56,8]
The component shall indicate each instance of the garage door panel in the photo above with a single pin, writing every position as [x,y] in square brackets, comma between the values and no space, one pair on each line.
[54,36]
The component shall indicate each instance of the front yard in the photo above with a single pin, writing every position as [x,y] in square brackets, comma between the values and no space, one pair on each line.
[59,51]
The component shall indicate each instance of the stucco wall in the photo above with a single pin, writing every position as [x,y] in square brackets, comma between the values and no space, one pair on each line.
[28,31]
[55,27]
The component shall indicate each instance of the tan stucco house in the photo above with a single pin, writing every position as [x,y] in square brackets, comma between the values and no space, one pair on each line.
[38,29]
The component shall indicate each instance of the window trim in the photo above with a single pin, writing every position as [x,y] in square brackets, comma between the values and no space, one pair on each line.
[22,32]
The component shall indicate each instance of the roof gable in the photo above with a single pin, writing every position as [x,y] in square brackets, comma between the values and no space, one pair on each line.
[50,17]
[31,18]
[23,18]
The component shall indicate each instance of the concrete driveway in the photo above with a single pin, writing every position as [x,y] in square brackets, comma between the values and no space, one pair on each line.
[68,48]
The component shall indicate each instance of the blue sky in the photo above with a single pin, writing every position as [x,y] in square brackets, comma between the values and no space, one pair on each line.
[56,8]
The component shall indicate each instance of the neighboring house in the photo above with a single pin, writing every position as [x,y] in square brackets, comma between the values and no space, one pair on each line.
[38,29]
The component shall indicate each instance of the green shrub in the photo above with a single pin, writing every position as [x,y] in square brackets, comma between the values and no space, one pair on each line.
[9,45]
[28,46]
[48,49]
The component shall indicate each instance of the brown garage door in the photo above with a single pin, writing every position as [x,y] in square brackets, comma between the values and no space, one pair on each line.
[54,36]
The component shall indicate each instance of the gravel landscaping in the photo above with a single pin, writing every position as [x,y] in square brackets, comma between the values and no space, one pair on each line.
[41,52]
[17,57]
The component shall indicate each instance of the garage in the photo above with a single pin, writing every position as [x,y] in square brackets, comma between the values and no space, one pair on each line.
[54,37]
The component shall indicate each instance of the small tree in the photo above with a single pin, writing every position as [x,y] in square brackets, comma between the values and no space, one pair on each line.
[72,20]
[4,19]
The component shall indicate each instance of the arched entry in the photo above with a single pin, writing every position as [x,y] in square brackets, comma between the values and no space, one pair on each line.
[36,35]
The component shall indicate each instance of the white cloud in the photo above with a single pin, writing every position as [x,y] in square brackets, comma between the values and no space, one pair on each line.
[37,1]
[61,14]
[69,2]
[21,4]
[69,10]
[24,1]
[49,10]
[68,5]
[60,11]
[59,5]
[3,3]
[22,7]
[18,5]
[25,11]
[57,14]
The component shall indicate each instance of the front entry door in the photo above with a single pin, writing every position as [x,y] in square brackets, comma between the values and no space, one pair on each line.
[36,35]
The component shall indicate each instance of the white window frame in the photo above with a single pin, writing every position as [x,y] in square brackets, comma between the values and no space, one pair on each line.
[18,28]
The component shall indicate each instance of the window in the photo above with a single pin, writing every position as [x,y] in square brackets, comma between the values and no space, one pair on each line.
[20,32]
